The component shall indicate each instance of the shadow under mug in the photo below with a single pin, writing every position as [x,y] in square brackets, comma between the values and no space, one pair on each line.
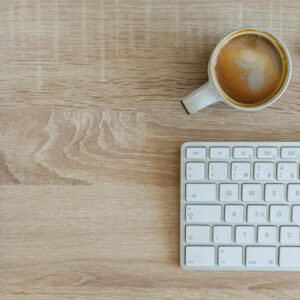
[211,92]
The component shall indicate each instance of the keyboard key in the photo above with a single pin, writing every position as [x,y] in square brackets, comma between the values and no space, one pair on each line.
[274,192]
[267,152]
[293,192]
[256,213]
[219,152]
[296,214]
[229,192]
[222,234]
[217,171]
[289,257]
[263,171]
[201,192]
[197,234]
[195,152]
[287,171]
[203,213]
[290,152]
[234,213]
[240,171]
[289,234]
[244,234]
[260,256]
[267,234]
[252,192]
[200,256]
[195,171]
[279,213]
[243,152]
[230,256]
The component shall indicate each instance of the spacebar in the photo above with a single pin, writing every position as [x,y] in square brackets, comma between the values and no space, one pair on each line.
[289,257]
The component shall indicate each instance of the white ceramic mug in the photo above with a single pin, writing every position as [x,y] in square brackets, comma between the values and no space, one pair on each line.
[211,91]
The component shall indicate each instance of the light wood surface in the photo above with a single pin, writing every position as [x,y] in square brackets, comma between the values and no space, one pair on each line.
[91,127]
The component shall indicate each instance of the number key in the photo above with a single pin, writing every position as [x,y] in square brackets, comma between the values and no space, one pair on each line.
[218,171]
[263,171]
[287,171]
[240,171]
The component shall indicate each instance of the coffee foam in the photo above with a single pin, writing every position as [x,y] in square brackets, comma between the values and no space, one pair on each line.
[253,65]
[249,68]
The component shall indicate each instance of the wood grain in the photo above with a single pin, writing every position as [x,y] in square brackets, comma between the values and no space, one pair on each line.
[90,131]
[110,242]
[128,55]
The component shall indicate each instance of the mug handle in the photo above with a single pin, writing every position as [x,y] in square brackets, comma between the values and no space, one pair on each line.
[204,96]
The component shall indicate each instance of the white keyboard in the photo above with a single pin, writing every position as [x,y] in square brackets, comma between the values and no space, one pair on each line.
[240,206]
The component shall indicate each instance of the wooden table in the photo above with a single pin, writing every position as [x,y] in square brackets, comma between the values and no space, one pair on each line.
[91,127]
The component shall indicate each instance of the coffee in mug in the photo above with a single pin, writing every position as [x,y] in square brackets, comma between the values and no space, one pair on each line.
[249,69]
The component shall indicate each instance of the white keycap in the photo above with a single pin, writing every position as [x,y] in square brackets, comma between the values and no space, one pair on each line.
[203,213]
[274,192]
[217,171]
[290,152]
[195,152]
[230,256]
[289,234]
[287,171]
[219,152]
[197,234]
[267,234]
[240,171]
[243,152]
[263,171]
[251,192]
[256,213]
[260,256]
[289,257]
[267,152]
[279,213]
[200,256]
[296,214]
[234,213]
[195,171]
[229,192]
[201,192]
[244,234]
[222,234]
[293,192]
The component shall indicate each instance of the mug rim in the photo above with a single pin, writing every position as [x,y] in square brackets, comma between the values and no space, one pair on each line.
[267,35]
